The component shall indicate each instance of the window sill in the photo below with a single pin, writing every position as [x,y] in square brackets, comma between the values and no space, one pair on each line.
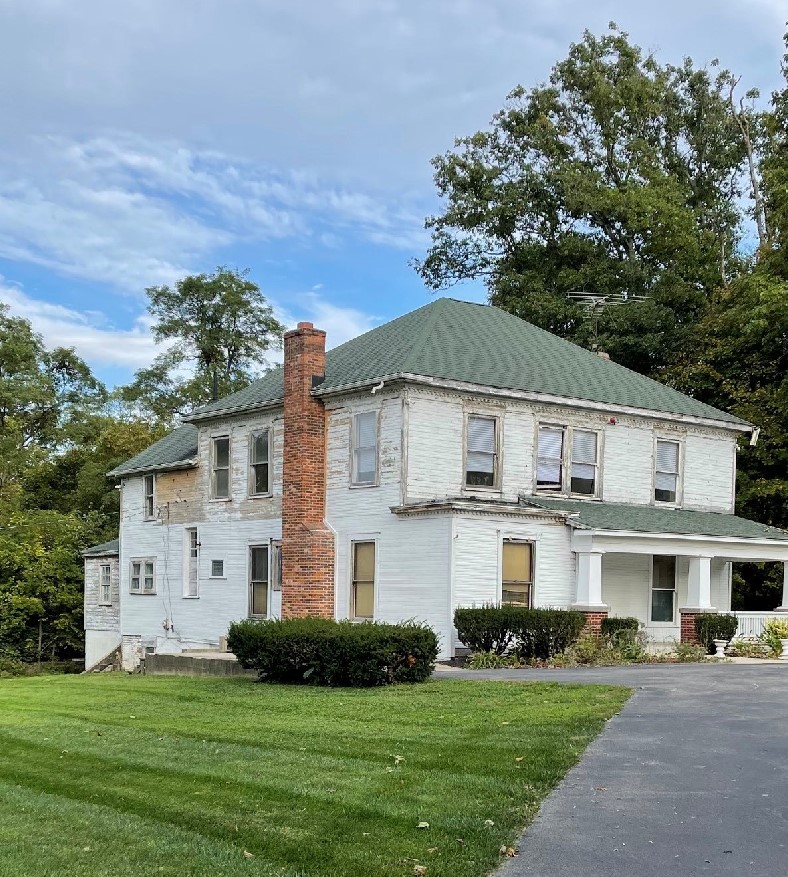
[268,495]
[190,597]
[472,488]
[220,499]
[363,486]
[105,605]
[217,578]
[142,593]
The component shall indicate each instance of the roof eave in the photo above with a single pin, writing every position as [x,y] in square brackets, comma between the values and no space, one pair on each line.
[199,417]
[190,463]
[695,537]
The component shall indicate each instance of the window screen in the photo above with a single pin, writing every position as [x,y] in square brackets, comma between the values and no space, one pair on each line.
[365,448]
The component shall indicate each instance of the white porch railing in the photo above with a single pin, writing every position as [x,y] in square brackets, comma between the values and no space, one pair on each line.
[751,623]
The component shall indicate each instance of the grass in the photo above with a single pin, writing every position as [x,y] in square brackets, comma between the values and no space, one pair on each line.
[106,775]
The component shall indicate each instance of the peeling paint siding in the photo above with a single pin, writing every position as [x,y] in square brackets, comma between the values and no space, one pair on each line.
[708,473]
[241,506]
[178,497]
[197,621]
[435,453]
[477,564]
[628,463]
[98,617]
[412,556]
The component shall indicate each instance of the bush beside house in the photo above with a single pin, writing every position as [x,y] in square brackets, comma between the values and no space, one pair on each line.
[320,651]
[711,625]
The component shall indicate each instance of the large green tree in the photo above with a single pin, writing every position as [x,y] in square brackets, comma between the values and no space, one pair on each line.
[219,327]
[619,178]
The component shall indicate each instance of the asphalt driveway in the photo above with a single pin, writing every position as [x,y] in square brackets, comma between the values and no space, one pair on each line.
[690,778]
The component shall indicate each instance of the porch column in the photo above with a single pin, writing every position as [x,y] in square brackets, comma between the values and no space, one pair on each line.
[588,596]
[783,607]
[698,596]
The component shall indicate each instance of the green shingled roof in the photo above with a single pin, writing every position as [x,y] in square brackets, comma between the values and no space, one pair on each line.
[106,549]
[479,344]
[177,448]
[652,519]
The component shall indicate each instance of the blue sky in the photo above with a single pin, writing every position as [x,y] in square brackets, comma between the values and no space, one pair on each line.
[147,140]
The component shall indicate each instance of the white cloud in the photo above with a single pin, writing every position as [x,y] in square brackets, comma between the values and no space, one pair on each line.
[100,343]
[89,332]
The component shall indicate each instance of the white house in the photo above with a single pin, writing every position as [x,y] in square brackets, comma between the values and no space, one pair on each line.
[454,456]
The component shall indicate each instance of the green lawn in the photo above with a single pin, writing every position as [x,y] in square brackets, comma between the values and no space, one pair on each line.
[129,775]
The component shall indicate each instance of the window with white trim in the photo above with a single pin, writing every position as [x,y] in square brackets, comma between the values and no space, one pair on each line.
[259,463]
[191,566]
[362,596]
[663,589]
[666,471]
[220,467]
[217,569]
[516,572]
[567,460]
[105,585]
[149,494]
[481,458]
[364,463]
[142,579]
[258,581]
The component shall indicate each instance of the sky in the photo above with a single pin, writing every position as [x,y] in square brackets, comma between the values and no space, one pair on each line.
[147,140]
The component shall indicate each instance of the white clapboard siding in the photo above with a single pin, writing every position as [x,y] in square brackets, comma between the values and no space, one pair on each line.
[709,473]
[627,463]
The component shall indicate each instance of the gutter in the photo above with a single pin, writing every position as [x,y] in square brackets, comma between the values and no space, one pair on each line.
[162,467]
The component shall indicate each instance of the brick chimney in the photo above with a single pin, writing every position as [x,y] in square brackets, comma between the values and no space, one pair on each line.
[307,542]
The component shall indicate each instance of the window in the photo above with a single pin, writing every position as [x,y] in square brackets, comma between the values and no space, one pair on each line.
[105,585]
[143,577]
[516,573]
[191,578]
[149,487]
[666,471]
[258,580]
[217,569]
[363,585]
[549,458]
[364,465]
[567,460]
[584,457]
[220,462]
[480,455]
[259,460]
[663,589]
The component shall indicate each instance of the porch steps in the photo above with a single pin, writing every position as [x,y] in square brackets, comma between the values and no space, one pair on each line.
[109,662]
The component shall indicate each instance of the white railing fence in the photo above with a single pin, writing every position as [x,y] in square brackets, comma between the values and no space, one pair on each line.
[751,623]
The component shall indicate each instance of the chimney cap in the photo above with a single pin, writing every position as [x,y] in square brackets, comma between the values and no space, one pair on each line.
[306,326]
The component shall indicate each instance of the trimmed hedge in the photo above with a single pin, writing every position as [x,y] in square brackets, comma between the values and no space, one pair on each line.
[712,625]
[528,633]
[319,651]
[615,628]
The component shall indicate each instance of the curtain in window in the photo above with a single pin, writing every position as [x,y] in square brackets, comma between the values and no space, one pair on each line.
[548,464]
[480,456]
[584,451]
[366,447]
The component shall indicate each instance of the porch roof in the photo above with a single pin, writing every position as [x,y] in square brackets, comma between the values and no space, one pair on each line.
[591,515]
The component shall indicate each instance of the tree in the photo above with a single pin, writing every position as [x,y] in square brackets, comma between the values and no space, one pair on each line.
[619,178]
[220,328]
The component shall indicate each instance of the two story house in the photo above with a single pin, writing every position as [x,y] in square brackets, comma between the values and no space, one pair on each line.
[455,456]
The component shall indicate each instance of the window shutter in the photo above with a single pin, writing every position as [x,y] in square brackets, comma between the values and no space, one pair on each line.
[667,457]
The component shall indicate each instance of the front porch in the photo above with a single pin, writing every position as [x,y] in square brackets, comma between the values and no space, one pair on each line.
[663,566]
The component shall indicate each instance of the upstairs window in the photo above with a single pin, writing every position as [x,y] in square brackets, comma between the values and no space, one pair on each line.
[364,465]
[149,495]
[666,474]
[549,458]
[105,585]
[584,462]
[220,467]
[259,463]
[567,460]
[516,573]
[143,577]
[481,459]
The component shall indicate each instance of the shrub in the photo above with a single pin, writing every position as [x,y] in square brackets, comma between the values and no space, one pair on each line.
[620,628]
[10,667]
[711,625]
[491,661]
[773,631]
[529,633]
[488,629]
[747,648]
[319,651]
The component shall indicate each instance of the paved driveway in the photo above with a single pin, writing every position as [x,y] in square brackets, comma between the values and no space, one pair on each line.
[690,778]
